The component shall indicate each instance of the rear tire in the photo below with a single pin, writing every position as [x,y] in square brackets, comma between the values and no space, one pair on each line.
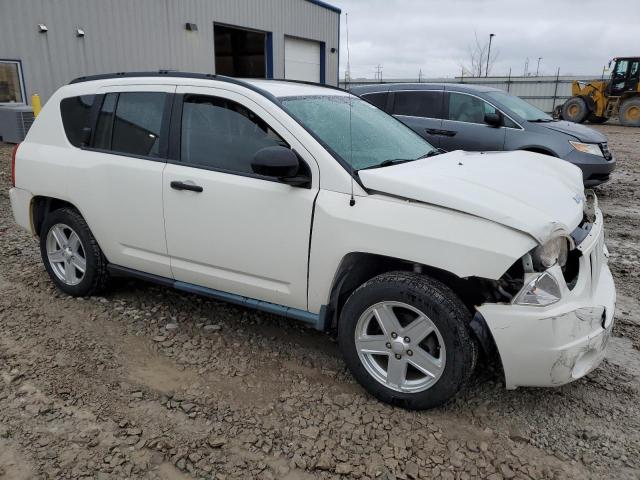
[630,113]
[426,351]
[595,119]
[575,110]
[71,254]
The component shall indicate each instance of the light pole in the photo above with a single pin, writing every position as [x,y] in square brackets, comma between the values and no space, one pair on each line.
[538,69]
[486,70]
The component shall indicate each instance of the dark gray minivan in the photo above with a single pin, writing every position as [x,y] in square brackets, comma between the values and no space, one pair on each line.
[478,118]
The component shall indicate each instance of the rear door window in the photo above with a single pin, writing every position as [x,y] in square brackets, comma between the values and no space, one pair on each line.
[379,99]
[418,103]
[131,123]
[76,118]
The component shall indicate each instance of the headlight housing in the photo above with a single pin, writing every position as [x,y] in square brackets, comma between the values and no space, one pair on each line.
[555,251]
[543,290]
[592,148]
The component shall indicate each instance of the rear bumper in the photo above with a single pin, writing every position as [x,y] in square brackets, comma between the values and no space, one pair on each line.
[595,170]
[554,345]
[21,207]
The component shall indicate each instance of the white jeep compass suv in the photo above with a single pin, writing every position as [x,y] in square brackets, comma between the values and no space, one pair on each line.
[308,202]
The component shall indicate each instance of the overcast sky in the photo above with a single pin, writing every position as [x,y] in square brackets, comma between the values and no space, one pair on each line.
[579,36]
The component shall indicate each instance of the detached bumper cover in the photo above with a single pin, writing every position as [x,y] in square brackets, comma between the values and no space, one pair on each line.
[554,345]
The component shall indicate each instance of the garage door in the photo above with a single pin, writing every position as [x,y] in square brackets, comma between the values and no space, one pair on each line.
[301,60]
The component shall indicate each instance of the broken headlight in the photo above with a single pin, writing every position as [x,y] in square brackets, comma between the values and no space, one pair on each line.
[543,290]
[555,251]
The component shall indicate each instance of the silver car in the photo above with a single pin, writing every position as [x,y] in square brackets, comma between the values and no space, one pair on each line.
[478,118]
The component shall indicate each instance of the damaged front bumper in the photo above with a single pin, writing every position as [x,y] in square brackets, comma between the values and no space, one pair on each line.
[554,345]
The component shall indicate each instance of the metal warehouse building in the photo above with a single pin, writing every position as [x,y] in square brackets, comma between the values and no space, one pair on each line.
[46,43]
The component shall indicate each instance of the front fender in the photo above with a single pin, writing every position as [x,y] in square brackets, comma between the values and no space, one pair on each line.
[456,242]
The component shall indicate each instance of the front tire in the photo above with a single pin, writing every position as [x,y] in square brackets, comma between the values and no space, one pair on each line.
[575,110]
[405,338]
[630,113]
[71,254]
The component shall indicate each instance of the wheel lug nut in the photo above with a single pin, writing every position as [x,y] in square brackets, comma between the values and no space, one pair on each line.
[394,335]
[407,340]
[398,356]
[409,352]
[388,345]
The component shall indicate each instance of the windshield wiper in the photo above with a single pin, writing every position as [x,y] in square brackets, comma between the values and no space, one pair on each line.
[388,163]
[433,153]
[542,120]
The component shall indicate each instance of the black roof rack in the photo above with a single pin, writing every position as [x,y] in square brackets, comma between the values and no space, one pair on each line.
[202,76]
[157,73]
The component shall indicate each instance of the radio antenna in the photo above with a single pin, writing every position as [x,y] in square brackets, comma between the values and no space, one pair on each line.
[352,200]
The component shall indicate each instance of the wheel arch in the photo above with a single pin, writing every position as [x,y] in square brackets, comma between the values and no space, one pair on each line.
[41,206]
[539,149]
[356,268]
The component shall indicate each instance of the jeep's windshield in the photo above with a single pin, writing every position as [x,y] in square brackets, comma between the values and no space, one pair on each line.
[524,110]
[373,139]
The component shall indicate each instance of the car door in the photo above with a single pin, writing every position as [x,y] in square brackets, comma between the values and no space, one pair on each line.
[117,176]
[464,127]
[421,110]
[241,233]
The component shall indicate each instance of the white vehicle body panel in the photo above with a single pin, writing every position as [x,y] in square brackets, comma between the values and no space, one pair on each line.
[425,234]
[119,196]
[241,235]
[504,187]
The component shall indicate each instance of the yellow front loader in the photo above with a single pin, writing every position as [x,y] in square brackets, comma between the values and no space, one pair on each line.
[598,100]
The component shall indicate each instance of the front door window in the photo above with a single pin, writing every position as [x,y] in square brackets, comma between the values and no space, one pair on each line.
[468,109]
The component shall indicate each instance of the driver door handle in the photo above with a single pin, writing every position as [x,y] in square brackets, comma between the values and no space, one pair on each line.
[176,185]
[446,133]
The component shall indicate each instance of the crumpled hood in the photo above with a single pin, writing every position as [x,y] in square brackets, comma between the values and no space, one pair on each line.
[582,133]
[536,194]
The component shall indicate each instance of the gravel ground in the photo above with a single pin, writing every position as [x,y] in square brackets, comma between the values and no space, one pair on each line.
[146,382]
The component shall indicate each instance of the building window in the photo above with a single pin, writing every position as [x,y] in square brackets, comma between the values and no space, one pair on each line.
[11,82]
[240,52]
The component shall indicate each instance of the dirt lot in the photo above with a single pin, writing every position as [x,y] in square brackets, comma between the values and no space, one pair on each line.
[146,382]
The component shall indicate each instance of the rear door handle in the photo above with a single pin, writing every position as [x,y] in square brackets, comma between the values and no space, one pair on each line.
[186,186]
[433,131]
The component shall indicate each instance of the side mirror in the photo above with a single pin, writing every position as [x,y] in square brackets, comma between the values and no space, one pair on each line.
[493,119]
[281,163]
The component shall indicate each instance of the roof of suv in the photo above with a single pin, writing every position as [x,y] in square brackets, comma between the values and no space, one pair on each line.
[276,88]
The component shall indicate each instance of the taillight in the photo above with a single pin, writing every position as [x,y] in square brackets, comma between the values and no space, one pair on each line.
[13,165]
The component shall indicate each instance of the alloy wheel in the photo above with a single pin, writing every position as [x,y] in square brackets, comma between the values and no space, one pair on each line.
[400,347]
[66,254]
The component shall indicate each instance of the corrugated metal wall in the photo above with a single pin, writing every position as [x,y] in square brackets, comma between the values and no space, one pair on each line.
[126,35]
[544,92]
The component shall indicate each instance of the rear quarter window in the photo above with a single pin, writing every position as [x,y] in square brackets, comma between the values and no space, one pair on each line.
[76,116]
